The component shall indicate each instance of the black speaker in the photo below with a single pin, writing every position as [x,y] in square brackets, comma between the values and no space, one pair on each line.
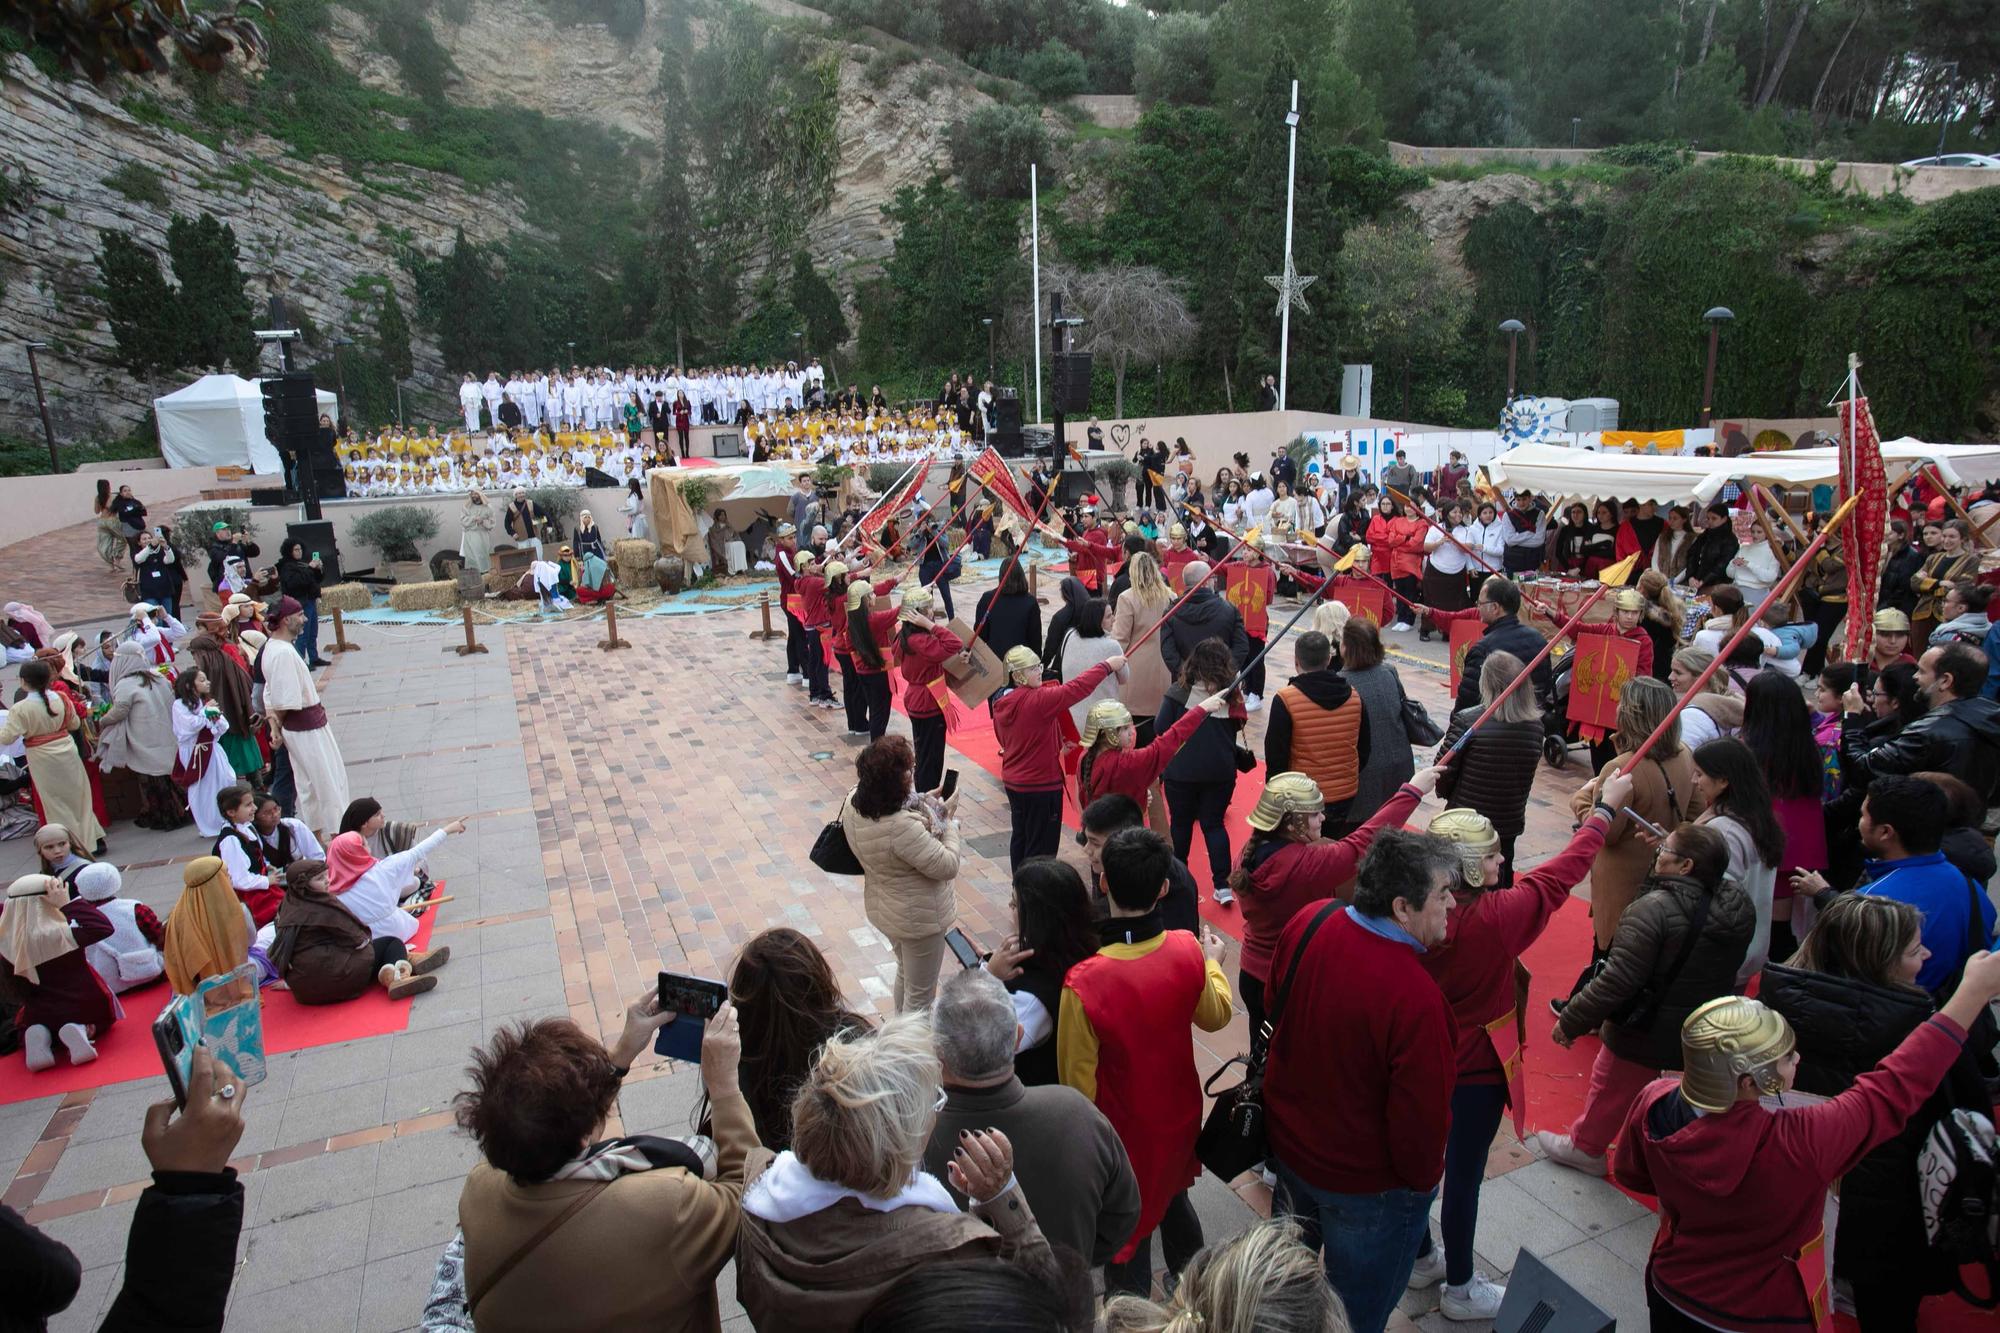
[1072,382]
[1072,484]
[317,538]
[1007,410]
[1538,1301]
[1008,443]
[271,497]
[727,443]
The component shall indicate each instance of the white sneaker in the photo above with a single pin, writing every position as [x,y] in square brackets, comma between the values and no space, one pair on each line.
[1401,627]
[40,1046]
[794,678]
[1252,702]
[1561,1150]
[72,1035]
[1429,1270]
[1477,1299]
[1224,896]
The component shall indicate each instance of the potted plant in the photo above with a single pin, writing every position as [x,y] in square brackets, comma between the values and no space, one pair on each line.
[1115,475]
[561,504]
[397,533]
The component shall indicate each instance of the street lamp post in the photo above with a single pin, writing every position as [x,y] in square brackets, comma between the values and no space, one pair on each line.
[987,320]
[42,403]
[1716,316]
[1513,328]
[1286,293]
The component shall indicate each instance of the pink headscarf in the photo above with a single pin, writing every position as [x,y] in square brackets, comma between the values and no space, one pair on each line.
[347,860]
[28,615]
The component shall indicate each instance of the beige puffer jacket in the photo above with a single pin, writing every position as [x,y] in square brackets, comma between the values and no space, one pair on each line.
[906,889]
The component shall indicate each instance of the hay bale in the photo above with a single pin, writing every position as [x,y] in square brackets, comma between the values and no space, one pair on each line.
[346,596]
[632,558]
[437,596]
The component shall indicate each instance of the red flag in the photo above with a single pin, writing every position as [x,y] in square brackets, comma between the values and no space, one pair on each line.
[990,471]
[1464,633]
[1604,662]
[1863,543]
[1364,598]
[894,503]
[1249,588]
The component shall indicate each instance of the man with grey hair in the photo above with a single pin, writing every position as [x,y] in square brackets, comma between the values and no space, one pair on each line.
[1067,1158]
[1206,615]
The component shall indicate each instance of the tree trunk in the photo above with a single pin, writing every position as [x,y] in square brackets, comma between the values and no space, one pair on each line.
[1228,393]
[1118,386]
[1770,87]
[1819,89]
[1707,32]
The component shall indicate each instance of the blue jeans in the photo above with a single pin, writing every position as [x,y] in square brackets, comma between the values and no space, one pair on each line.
[1475,1117]
[309,636]
[284,787]
[1370,1242]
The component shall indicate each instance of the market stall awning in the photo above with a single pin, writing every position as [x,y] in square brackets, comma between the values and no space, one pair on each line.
[1958,464]
[1559,472]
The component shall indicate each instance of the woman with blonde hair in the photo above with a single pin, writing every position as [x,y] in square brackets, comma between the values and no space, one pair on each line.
[1663,619]
[1264,1280]
[1138,609]
[847,1211]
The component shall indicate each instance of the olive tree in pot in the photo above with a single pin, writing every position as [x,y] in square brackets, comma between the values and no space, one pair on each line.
[1115,475]
[397,533]
[560,504]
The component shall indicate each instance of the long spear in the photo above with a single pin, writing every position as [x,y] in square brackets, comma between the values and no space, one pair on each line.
[1551,612]
[1048,494]
[1241,542]
[1755,618]
[1340,566]
[1611,576]
[839,545]
[938,536]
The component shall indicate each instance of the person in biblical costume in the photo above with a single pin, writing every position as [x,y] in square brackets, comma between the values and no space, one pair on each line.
[130,956]
[209,931]
[45,720]
[298,723]
[475,522]
[228,672]
[326,955]
[201,767]
[43,935]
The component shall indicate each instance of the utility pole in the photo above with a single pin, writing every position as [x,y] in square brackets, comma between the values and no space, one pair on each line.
[42,403]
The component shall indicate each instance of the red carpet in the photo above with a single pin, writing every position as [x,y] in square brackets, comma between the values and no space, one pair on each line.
[127,1051]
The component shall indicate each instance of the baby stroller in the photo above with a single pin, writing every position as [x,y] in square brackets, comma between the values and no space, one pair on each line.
[1558,732]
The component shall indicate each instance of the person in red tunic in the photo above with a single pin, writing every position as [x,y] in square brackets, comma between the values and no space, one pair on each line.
[1627,622]
[1249,584]
[1176,554]
[1123,1039]
[870,643]
[42,962]
[1029,721]
[1478,969]
[924,646]
[808,586]
[1742,1189]
[1111,764]
[1288,866]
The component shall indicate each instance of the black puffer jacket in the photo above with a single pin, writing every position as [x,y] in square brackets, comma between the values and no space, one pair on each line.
[1643,951]
[1845,1028]
[1709,554]
[1961,738]
[1505,635]
[1495,771]
[1206,616]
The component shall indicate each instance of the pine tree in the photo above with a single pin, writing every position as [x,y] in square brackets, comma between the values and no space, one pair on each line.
[141,305]
[392,336]
[215,323]
[819,305]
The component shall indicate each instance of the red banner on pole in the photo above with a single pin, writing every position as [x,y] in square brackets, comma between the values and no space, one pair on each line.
[872,522]
[1603,664]
[1863,544]
[1464,633]
[1248,588]
[990,471]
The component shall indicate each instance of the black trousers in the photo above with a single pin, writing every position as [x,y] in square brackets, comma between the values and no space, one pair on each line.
[927,736]
[1180,1233]
[815,666]
[1207,804]
[874,692]
[1037,818]
[1250,990]
[1253,680]
[1666,1318]
[795,640]
[850,693]
[389,949]
[1885,1306]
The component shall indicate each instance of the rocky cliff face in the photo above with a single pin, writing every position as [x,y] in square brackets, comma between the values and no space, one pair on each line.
[310,230]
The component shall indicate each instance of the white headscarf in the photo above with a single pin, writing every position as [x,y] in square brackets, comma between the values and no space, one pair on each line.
[33,929]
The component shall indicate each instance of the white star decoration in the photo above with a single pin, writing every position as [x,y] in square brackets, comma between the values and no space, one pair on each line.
[1290,286]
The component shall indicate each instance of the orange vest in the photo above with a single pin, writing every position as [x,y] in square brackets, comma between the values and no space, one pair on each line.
[1325,742]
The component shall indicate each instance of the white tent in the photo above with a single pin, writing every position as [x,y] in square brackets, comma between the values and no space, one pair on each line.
[218,421]
[1683,479]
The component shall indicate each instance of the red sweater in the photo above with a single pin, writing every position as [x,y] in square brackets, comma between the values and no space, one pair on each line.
[1027,721]
[1299,874]
[1173,560]
[1742,1191]
[812,600]
[883,625]
[1133,772]
[1488,931]
[923,662]
[1357,1091]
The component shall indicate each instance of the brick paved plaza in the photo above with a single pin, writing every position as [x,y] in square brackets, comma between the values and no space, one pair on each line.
[626,812]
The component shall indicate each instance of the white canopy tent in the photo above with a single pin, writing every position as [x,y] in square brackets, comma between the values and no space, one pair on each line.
[1679,479]
[218,421]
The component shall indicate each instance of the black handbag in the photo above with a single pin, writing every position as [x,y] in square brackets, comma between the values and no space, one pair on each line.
[830,851]
[1417,724]
[1234,1139]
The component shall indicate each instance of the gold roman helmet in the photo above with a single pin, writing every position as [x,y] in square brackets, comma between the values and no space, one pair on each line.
[834,569]
[1474,836]
[1631,599]
[806,559]
[1286,794]
[1021,658]
[1106,715]
[1178,532]
[917,601]
[1891,621]
[1725,1039]
[857,595]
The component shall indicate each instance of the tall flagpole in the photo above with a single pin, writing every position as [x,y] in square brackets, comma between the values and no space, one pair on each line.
[1035,244]
[1285,296]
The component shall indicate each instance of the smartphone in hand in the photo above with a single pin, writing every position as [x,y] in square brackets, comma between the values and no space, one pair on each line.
[950,787]
[963,949]
[694,1000]
[225,1015]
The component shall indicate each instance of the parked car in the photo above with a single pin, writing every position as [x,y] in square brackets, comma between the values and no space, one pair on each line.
[1983,160]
